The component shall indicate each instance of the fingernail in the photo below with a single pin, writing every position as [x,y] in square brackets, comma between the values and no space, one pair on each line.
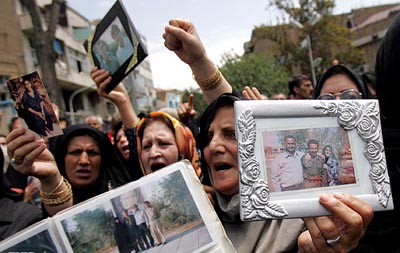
[339,195]
[325,198]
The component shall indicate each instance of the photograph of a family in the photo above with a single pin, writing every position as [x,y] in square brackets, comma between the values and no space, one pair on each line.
[308,158]
[160,216]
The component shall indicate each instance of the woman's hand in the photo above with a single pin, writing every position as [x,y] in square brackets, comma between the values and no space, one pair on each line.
[102,78]
[186,110]
[119,95]
[181,37]
[340,232]
[253,94]
[30,156]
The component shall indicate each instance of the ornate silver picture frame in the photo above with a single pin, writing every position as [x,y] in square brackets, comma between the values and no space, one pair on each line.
[274,185]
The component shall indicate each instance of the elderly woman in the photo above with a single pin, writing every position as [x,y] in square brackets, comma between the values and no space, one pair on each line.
[350,215]
[340,82]
[158,139]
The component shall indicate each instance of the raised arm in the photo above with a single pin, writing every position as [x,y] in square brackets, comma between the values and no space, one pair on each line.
[119,96]
[181,37]
[31,157]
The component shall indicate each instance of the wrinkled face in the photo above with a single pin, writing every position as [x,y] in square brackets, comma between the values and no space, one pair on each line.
[159,147]
[338,83]
[221,152]
[305,90]
[94,123]
[328,151]
[82,161]
[290,145]
[122,144]
[313,149]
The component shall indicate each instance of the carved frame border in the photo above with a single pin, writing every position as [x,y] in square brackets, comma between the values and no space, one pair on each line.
[361,116]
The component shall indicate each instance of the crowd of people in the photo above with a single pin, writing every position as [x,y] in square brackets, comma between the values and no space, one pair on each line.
[85,161]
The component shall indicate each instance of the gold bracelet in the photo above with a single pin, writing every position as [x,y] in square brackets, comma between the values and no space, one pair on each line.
[57,198]
[129,126]
[210,83]
[57,201]
[55,189]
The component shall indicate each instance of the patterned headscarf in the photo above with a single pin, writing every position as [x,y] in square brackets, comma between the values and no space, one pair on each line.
[183,136]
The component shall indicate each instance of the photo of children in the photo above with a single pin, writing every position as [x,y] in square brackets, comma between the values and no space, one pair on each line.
[33,105]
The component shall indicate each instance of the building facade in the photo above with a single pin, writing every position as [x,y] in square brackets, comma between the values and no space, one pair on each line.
[368,26]
[19,57]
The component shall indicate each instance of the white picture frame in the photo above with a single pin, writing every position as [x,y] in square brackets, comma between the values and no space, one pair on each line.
[354,125]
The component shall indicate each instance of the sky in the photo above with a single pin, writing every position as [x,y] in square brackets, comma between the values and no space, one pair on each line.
[223,26]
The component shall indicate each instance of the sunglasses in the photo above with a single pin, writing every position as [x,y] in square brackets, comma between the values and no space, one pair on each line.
[347,94]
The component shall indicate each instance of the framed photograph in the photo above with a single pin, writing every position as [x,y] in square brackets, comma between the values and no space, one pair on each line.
[115,45]
[291,151]
[166,211]
[33,105]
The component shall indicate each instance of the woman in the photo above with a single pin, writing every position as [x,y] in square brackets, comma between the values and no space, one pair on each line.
[84,165]
[331,165]
[158,139]
[36,116]
[340,82]
[86,158]
[122,236]
[163,140]
[129,159]
[218,144]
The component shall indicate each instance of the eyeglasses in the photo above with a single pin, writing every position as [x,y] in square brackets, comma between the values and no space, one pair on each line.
[347,94]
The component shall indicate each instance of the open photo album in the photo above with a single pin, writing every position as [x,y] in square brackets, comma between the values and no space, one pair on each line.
[177,213]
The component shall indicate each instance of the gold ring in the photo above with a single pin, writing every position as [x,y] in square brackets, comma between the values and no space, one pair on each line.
[15,161]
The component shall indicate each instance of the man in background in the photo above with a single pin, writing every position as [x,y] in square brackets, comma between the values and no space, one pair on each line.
[301,87]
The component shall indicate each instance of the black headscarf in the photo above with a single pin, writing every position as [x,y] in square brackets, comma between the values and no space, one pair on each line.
[382,233]
[132,165]
[111,169]
[387,68]
[362,86]
[226,99]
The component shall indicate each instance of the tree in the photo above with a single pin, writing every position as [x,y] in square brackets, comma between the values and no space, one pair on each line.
[43,43]
[330,39]
[255,70]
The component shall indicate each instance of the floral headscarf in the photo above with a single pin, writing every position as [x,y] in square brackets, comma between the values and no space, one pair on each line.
[183,136]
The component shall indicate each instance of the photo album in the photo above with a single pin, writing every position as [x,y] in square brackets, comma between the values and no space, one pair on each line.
[292,151]
[177,217]
[116,45]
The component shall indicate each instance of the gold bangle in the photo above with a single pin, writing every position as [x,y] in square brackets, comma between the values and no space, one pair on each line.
[57,201]
[57,198]
[129,126]
[210,83]
[55,189]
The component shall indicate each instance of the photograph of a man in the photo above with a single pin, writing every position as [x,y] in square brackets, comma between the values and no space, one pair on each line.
[314,172]
[286,168]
